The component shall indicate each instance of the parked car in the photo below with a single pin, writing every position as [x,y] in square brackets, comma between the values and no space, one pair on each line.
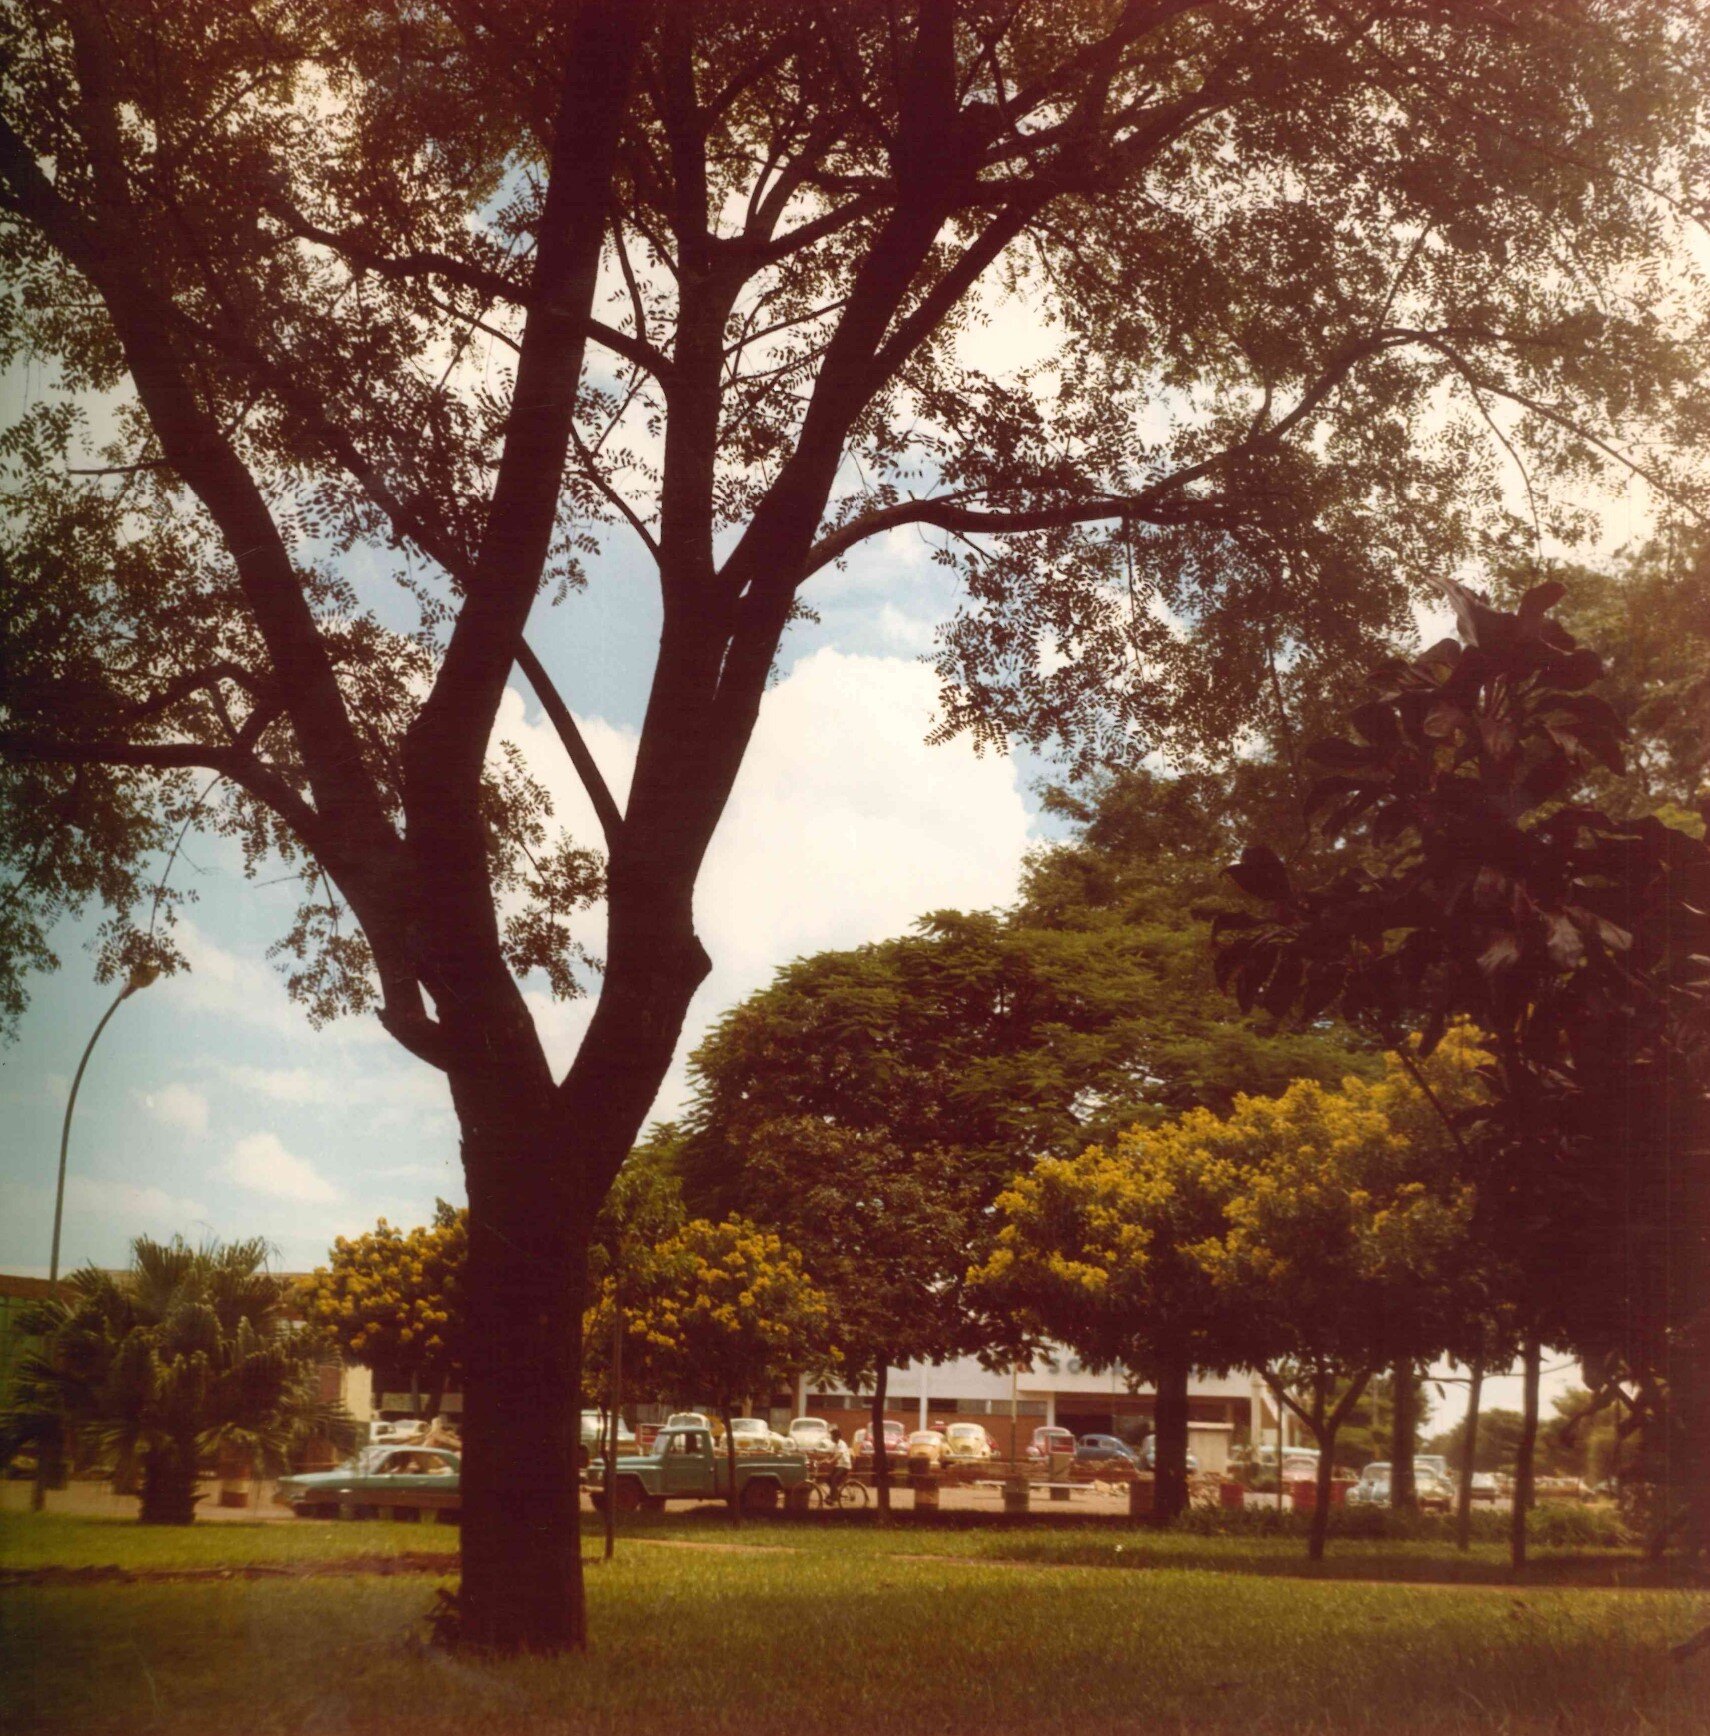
[687,1465]
[756,1435]
[693,1420]
[895,1438]
[1483,1487]
[1149,1456]
[811,1435]
[968,1443]
[405,1479]
[1372,1487]
[925,1444]
[1095,1451]
[596,1428]
[1296,1461]
[1434,1493]
[1050,1442]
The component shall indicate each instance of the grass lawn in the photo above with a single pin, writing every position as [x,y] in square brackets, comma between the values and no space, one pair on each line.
[1108,1543]
[834,1629]
[29,1541]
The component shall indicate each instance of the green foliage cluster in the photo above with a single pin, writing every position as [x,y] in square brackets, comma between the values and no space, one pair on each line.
[159,1371]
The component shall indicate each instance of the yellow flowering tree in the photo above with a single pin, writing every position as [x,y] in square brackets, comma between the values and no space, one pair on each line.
[1350,1242]
[722,1309]
[392,1300]
[1100,1252]
[1319,1236]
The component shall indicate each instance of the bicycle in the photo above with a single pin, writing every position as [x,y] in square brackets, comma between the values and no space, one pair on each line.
[836,1489]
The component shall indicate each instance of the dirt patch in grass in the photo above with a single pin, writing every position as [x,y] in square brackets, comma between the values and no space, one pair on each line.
[340,1567]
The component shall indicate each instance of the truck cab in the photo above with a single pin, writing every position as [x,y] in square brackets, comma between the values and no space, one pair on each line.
[686,1464]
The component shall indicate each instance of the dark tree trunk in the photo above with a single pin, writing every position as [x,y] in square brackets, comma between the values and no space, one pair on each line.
[733,1494]
[169,1486]
[616,1417]
[1170,1420]
[1469,1458]
[1403,1439]
[526,1276]
[1525,1456]
[1326,1477]
[881,1459]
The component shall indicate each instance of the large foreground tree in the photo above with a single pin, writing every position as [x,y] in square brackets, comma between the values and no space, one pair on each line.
[404,305]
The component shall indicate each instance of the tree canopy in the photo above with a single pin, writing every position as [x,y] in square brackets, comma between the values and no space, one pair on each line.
[376,323]
[1576,940]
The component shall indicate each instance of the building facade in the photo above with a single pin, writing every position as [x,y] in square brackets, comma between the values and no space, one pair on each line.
[1224,1411]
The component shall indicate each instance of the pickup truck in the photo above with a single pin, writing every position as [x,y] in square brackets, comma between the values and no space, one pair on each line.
[686,1465]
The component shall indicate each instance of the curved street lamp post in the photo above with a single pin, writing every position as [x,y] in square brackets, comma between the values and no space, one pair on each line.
[141,976]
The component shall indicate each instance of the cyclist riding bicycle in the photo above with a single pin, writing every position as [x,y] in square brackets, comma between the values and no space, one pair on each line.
[841,1463]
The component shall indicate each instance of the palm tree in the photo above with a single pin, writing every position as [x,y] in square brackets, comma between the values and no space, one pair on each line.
[188,1355]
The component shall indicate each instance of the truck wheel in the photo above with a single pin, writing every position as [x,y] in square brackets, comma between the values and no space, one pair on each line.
[629,1495]
[761,1496]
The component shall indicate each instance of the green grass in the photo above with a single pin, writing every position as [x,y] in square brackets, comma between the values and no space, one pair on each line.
[35,1540]
[856,1640]
[1105,1542]
[30,1541]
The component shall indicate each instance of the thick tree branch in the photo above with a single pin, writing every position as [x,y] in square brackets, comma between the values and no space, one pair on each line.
[552,703]
[233,762]
[200,453]
[1149,507]
[429,262]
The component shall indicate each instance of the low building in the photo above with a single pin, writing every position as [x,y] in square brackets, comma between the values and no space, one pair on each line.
[1224,1411]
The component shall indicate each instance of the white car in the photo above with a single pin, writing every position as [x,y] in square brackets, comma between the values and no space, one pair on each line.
[756,1435]
[694,1420]
[397,1432]
[811,1435]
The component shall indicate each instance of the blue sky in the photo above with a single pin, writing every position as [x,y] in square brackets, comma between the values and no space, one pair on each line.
[213,1108]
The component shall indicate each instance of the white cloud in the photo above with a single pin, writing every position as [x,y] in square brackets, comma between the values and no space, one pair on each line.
[226,985]
[284,1084]
[178,1106]
[260,1162]
[845,827]
[139,1207]
[416,1172]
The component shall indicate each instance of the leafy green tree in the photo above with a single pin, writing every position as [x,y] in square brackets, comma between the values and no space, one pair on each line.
[886,1231]
[1575,940]
[1496,1441]
[392,1300]
[1584,1437]
[1649,616]
[722,1309]
[400,312]
[157,1370]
